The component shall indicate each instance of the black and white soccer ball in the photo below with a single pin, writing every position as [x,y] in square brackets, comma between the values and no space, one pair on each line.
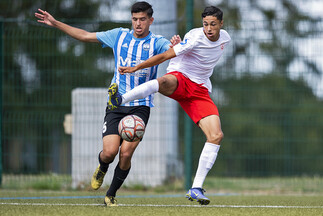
[131,128]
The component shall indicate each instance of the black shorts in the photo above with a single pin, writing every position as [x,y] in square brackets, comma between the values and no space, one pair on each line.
[113,117]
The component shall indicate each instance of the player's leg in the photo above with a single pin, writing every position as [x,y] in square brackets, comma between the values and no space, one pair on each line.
[196,102]
[166,85]
[111,143]
[125,155]
[121,171]
[211,127]
[106,156]
[115,99]
[141,91]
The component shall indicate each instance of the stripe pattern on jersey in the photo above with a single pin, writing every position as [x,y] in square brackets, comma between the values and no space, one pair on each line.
[129,51]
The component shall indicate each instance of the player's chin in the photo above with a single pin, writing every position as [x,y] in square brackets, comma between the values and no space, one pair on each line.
[211,36]
[139,34]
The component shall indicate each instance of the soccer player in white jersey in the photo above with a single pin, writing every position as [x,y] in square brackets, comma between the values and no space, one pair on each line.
[130,47]
[187,81]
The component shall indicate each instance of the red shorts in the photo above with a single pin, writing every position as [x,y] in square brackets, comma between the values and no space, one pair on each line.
[193,98]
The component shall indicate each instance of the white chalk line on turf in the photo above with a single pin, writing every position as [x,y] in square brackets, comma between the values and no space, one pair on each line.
[156,205]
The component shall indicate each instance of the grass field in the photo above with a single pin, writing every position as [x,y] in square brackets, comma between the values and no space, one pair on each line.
[274,196]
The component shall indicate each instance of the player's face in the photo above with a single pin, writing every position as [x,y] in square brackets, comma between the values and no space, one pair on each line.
[140,24]
[211,27]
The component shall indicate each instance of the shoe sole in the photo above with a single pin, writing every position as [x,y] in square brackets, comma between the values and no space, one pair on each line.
[201,201]
[113,89]
[110,204]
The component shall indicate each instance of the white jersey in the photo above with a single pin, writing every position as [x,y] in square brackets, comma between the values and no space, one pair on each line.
[196,56]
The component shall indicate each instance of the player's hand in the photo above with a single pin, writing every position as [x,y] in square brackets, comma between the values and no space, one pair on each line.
[176,39]
[45,17]
[123,70]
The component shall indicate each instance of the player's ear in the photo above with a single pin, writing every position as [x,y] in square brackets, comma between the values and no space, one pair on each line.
[151,19]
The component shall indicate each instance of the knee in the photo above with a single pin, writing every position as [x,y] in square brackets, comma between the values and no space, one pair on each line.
[162,82]
[107,156]
[215,138]
[167,84]
[125,156]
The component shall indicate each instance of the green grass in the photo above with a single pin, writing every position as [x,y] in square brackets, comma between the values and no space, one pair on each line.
[270,185]
[36,182]
[233,205]
[229,196]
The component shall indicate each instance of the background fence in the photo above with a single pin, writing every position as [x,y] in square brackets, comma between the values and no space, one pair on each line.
[268,88]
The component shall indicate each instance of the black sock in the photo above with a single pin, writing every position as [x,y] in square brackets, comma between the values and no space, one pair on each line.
[103,166]
[118,179]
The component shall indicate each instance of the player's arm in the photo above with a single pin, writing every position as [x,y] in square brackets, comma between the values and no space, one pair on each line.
[79,34]
[155,60]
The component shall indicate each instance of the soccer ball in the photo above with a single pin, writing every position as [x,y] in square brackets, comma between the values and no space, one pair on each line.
[131,128]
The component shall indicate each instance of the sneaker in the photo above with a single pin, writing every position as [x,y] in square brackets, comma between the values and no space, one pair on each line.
[197,194]
[97,178]
[115,97]
[110,201]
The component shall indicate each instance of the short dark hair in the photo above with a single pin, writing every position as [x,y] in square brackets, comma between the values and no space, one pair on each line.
[142,6]
[213,11]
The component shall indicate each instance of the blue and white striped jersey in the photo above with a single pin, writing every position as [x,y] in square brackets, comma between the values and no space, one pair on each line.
[130,51]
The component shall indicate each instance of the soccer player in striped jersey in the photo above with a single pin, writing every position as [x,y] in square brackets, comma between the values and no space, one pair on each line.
[188,82]
[130,47]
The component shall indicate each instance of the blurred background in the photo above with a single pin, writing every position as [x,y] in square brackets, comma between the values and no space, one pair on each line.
[268,86]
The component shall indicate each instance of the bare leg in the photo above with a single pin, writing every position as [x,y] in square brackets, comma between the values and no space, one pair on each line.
[211,127]
[166,85]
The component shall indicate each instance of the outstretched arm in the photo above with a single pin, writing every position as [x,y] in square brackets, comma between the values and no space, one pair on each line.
[79,34]
[155,60]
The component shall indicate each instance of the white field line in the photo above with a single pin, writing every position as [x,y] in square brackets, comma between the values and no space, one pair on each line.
[155,205]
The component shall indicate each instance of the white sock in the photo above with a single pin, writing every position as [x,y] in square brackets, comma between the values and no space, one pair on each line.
[206,161]
[141,91]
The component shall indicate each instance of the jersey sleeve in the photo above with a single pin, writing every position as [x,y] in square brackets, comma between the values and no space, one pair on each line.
[108,38]
[186,45]
[162,45]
